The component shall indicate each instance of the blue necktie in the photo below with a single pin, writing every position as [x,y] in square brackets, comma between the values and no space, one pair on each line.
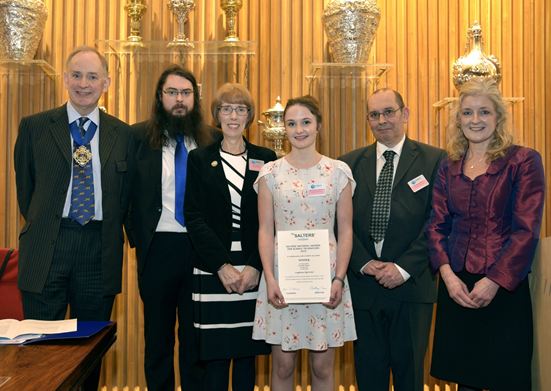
[180,171]
[82,191]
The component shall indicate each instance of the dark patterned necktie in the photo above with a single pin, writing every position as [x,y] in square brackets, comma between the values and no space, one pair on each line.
[180,172]
[381,201]
[82,192]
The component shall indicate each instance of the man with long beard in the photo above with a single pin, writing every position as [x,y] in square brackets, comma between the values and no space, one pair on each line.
[157,229]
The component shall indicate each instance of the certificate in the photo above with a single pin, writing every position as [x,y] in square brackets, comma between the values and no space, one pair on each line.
[304,272]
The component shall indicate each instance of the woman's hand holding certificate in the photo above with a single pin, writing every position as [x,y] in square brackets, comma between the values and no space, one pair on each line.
[337,286]
[275,297]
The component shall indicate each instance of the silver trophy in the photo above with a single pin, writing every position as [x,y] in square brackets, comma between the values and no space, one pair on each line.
[274,128]
[21,27]
[351,26]
[475,64]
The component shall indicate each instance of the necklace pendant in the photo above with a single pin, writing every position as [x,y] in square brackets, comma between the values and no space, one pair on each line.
[82,156]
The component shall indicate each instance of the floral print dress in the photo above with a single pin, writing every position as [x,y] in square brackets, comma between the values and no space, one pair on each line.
[305,326]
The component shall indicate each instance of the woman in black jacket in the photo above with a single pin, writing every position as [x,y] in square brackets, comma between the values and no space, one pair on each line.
[222,219]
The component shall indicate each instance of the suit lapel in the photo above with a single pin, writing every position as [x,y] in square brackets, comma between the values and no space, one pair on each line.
[157,170]
[366,171]
[59,128]
[367,168]
[107,138]
[219,176]
[154,159]
[409,154]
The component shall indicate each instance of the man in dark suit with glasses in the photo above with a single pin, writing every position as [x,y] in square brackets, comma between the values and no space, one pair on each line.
[393,289]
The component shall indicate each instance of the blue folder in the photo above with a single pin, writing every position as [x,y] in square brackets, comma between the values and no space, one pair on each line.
[85,329]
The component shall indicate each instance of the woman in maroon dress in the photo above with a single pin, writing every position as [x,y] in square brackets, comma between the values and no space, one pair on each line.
[485,225]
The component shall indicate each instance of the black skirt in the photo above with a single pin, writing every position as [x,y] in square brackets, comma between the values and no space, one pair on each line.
[489,347]
[224,322]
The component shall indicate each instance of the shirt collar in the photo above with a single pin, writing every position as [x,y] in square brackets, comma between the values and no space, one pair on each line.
[381,148]
[188,141]
[73,114]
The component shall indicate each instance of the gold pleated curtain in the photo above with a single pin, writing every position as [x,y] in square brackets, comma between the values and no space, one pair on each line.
[419,39]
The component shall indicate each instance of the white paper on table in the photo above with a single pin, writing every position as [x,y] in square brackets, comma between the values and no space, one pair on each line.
[304,272]
[20,330]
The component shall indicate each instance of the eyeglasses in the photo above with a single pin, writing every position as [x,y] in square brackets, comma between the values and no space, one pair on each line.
[387,113]
[239,110]
[173,92]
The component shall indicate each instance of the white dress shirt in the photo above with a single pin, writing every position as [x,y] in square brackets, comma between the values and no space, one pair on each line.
[381,149]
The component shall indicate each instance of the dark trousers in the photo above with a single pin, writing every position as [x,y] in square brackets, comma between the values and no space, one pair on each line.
[217,374]
[392,335]
[165,288]
[74,280]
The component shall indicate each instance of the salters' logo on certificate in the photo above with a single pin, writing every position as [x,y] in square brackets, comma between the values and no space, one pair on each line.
[304,268]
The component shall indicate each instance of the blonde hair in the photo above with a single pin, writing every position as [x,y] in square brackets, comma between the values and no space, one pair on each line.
[501,139]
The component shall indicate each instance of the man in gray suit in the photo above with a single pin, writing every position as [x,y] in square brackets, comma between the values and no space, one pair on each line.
[392,288]
[71,166]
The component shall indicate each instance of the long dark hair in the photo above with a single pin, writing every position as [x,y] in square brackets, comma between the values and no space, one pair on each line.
[159,120]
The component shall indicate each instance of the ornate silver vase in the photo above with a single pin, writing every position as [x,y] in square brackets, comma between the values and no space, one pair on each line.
[475,63]
[21,27]
[274,128]
[350,26]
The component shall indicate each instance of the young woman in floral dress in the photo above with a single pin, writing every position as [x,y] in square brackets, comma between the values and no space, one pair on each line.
[287,202]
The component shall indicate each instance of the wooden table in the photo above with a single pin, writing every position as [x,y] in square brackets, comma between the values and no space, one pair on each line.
[56,365]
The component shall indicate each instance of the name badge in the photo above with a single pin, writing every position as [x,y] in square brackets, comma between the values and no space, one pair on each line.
[418,183]
[315,189]
[255,164]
